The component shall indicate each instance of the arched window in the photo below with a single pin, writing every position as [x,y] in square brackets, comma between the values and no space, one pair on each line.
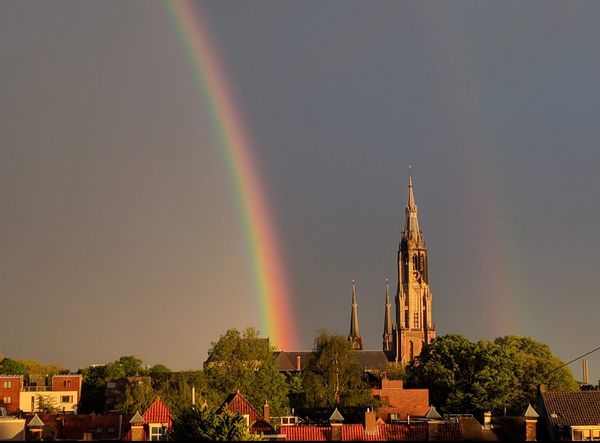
[411,350]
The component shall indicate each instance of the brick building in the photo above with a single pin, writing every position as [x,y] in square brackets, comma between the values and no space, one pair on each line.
[62,394]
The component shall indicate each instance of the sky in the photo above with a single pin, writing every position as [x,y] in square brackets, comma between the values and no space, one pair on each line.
[121,233]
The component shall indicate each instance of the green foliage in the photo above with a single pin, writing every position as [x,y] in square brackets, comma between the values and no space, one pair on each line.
[246,362]
[92,390]
[34,367]
[534,364]
[137,397]
[175,389]
[395,371]
[46,404]
[9,366]
[467,377]
[158,369]
[334,376]
[204,424]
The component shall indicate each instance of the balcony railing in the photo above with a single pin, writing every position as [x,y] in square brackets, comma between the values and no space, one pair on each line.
[37,388]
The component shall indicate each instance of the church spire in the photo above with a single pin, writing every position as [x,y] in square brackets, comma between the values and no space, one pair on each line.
[387,320]
[354,335]
[411,224]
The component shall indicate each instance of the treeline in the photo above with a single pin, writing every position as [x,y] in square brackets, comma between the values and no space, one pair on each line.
[462,376]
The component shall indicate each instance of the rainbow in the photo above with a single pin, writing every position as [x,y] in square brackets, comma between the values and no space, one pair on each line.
[236,147]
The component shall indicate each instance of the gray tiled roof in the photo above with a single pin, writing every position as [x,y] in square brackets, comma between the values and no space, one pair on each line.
[572,408]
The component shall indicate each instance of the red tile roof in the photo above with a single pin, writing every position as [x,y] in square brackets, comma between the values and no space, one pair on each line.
[306,433]
[387,432]
[158,412]
[572,408]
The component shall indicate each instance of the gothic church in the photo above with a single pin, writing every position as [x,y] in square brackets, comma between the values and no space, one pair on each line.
[413,327]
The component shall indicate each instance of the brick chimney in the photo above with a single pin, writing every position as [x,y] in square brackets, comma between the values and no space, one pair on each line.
[530,417]
[298,363]
[266,412]
[370,422]
[487,420]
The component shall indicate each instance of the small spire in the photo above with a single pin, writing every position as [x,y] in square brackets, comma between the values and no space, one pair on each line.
[387,320]
[354,335]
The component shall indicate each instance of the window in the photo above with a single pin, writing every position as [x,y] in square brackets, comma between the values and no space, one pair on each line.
[110,430]
[98,430]
[7,400]
[8,384]
[157,433]
[416,320]
[66,399]
[66,383]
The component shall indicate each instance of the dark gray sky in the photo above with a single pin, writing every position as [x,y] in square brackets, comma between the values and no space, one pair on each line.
[120,230]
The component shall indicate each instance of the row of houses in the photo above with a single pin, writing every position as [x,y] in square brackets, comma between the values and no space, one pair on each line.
[558,416]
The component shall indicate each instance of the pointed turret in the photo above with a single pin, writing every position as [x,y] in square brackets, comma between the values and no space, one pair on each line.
[354,335]
[411,223]
[387,320]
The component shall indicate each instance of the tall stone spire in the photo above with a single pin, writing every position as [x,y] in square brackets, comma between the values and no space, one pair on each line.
[354,336]
[415,327]
[411,223]
[388,332]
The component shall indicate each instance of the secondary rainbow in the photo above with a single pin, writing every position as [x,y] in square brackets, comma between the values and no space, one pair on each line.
[236,147]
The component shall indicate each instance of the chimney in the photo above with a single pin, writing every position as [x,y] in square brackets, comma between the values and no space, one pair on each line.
[487,420]
[336,432]
[531,417]
[298,363]
[586,371]
[370,422]
[267,412]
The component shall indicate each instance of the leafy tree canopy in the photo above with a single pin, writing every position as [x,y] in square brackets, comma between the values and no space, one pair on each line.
[467,377]
[246,362]
[34,367]
[9,366]
[204,424]
[334,376]
[137,397]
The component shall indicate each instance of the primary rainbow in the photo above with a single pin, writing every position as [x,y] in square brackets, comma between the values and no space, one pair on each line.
[236,146]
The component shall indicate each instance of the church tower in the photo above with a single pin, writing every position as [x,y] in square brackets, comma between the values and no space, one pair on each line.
[413,297]
[388,328]
[354,336]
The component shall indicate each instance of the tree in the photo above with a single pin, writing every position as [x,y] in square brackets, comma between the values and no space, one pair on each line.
[246,362]
[158,368]
[137,397]
[175,389]
[334,376]
[204,424]
[534,364]
[35,367]
[46,404]
[467,377]
[9,366]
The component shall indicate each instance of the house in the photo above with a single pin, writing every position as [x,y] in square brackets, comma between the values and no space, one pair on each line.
[153,424]
[571,415]
[398,403]
[257,423]
[62,394]
[372,430]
